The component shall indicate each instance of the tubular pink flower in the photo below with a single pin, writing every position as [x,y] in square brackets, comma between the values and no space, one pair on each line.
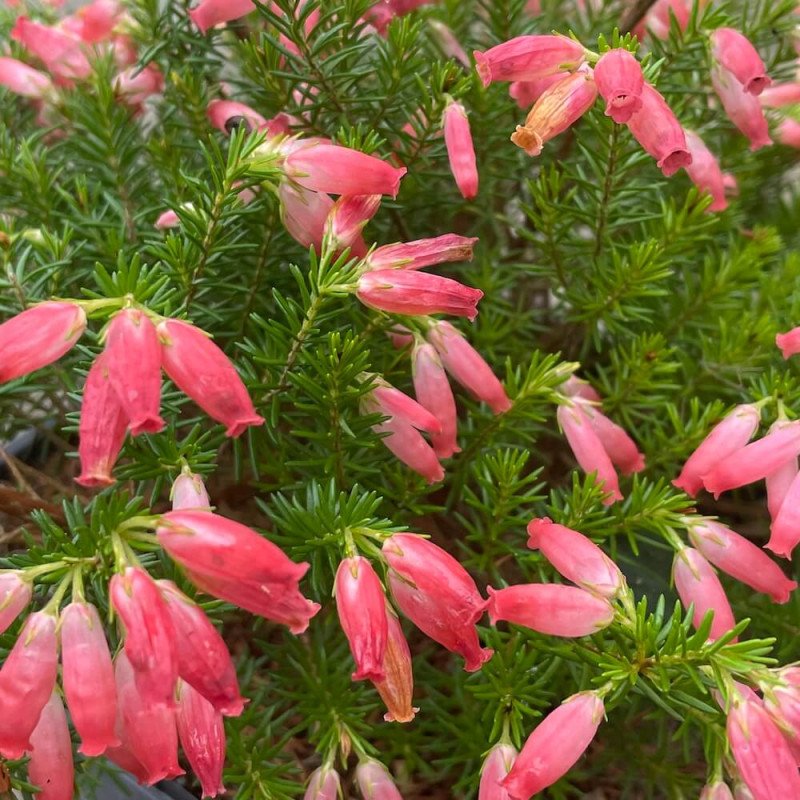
[347,218]
[788,133]
[304,214]
[735,53]
[375,782]
[448,43]
[98,20]
[24,80]
[137,85]
[51,766]
[409,446]
[527,58]
[716,791]
[620,82]
[434,393]
[385,399]
[578,388]
[780,95]
[397,687]
[705,173]
[619,447]
[556,743]
[205,374]
[495,769]
[782,703]
[789,342]
[169,219]
[63,54]
[785,528]
[437,594]
[742,108]
[210,13]
[225,115]
[526,93]
[658,19]
[422,252]
[460,150]
[779,482]
[15,594]
[188,491]
[324,784]
[88,678]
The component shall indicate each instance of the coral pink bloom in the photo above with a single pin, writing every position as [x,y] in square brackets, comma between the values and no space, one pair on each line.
[205,374]
[468,367]
[785,528]
[24,80]
[385,399]
[460,150]
[88,678]
[576,557]
[51,766]
[727,438]
[409,446]
[340,170]
[526,93]
[698,584]
[202,737]
[347,218]
[788,133]
[209,13]
[658,131]
[734,53]
[397,687]
[15,594]
[38,337]
[434,393]
[620,82]
[620,448]
[225,115]
[556,743]
[375,782]
[741,559]
[189,491]
[304,214]
[324,784]
[705,172]
[789,342]
[62,53]
[26,682]
[527,58]
[780,95]
[133,362]
[361,606]
[150,643]
[103,426]
[99,19]
[550,608]
[556,110]
[137,85]
[588,449]
[754,461]
[716,791]
[203,658]
[742,108]
[495,768]
[422,252]
[437,594]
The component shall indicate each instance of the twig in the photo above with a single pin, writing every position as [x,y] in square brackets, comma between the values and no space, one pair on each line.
[634,14]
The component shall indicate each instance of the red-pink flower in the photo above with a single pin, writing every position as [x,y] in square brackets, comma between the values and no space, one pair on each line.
[698,584]
[385,399]
[557,109]
[324,784]
[51,767]
[526,93]
[742,108]
[727,438]
[203,372]
[347,218]
[37,337]
[88,678]
[705,172]
[789,342]
[375,782]
[734,53]
[26,682]
[434,393]
[779,95]
[620,82]
[556,743]
[136,85]
[495,769]
[422,252]
[448,43]
[788,133]
[716,791]
[24,80]
[227,114]
[98,20]
[785,528]
[202,737]
[209,13]
[782,703]
[15,594]
[460,150]
[437,594]
[779,481]
[410,447]
[527,58]
[63,54]
[619,447]
[397,687]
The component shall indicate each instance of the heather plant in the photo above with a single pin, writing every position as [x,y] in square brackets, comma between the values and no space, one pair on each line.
[400,398]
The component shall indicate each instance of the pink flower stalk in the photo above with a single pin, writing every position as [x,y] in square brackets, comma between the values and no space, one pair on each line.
[495,769]
[375,782]
[38,337]
[210,13]
[619,447]
[133,362]
[205,374]
[785,528]
[698,584]
[448,44]
[137,85]
[304,214]
[734,53]
[556,743]
[527,58]
[188,491]
[202,736]
[397,687]
[658,131]
[204,662]
[434,393]
[62,53]
[437,594]
[620,82]
[150,642]
[789,342]
[460,150]
[588,449]
[224,115]
[780,95]
[26,683]
[339,170]
[361,606]
[88,678]
[346,221]
[716,791]
[576,557]
[526,93]
[51,767]
[727,438]
[15,594]
[559,107]
[98,20]
[324,784]
[705,172]
[742,108]
[741,559]
[103,427]
[467,367]
[24,80]
[422,253]
[788,133]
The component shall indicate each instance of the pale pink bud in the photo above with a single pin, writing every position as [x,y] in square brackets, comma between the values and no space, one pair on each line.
[620,82]
[742,108]
[137,85]
[705,172]
[375,782]
[658,131]
[15,594]
[24,80]
[785,528]
[555,745]
[205,374]
[448,43]
[576,557]
[202,736]
[527,58]
[741,559]
[26,683]
[698,584]
[397,687]
[526,93]
[460,150]
[189,491]
[788,133]
[324,784]
[734,52]
[409,446]
[468,367]
[434,393]
[88,678]
[51,767]
[437,594]
[422,252]
[347,218]
[133,362]
[169,219]
[556,110]
[385,399]
[62,53]
[789,342]
[727,438]
[619,447]
[209,13]
[38,337]
[304,214]
[225,115]
[780,95]
[741,792]
[716,791]
[495,768]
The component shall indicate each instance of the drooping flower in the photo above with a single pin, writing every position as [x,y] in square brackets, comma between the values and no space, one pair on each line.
[785,528]
[619,447]
[434,393]
[375,782]
[460,150]
[347,218]
[24,80]
[620,82]
[209,13]
[495,768]
[189,491]
[63,54]
[136,85]
[397,687]
[410,447]
[782,703]
[304,214]
[734,53]
[51,767]
[742,108]
[705,173]
[422,252]
[789,342]
[225,115]
[324,784]
[788,133]
[780,95]
[15,594]
[98,20]
[779,481]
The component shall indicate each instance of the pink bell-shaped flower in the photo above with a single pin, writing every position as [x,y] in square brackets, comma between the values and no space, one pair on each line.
[24,80]
[189,492]
[346,221]
[51,767]
[397,687]
[733,52]
[780,480]
[304,214]
[495,769]
[210,13]
[705,173]
[785,528]
[460,150]
[620,82]
[224,115]
[789,342]
[619,447]
[15,594]
[375,782]
[63,54]
[422,252]
[434,393]
[742,108]
[324,784]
